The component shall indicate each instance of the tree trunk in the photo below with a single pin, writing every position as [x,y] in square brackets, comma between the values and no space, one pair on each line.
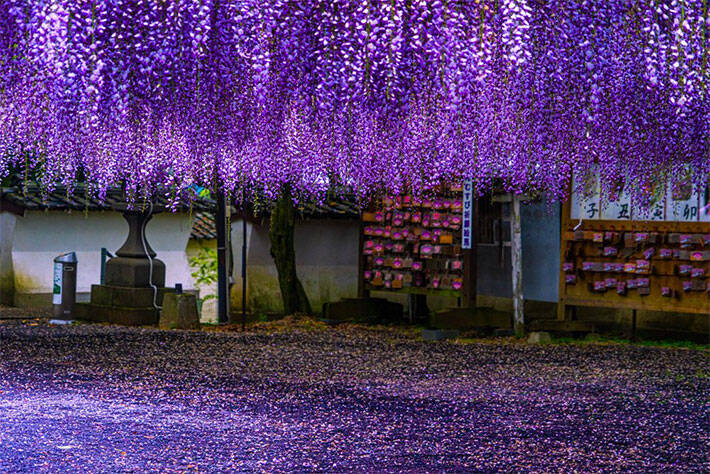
[283,222]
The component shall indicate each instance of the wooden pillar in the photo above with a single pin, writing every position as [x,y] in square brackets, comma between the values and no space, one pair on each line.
[223,248]
[244,269]
[470,263]
[517,266]
[562,287]
[362,291]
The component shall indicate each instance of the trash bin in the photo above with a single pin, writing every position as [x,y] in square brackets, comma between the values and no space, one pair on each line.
[64,290]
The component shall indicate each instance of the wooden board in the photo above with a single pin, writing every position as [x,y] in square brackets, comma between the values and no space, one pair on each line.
[582,248]
[414,246]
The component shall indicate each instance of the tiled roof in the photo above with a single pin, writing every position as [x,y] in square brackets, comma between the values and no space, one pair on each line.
[331,209]
[203,226]
[32,197]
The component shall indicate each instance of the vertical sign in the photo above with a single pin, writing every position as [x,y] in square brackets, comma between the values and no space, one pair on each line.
[683,203]
[705,205]
[657,211]
[678,202]
[618,209]
[585,202]
[467,226]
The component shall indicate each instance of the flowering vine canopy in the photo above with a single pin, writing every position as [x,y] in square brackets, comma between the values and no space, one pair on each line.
[368,95]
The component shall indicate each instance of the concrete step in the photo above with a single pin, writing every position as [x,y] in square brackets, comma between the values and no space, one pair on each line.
[363,310]
[470,318]
[179,312]
[555,326]
[439,334]
[126,316]
[127,297]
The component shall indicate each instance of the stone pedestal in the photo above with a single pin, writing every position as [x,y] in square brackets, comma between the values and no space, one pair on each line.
[539,338]
[121,305]
[365,310]
[470,318]
[132,267]
[127,297]
[134,272]
[179,312]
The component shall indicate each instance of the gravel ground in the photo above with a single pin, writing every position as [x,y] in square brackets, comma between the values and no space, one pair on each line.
[110,399]
[11,312]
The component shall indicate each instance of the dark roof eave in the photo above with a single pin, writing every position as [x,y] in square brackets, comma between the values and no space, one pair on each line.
[32,198]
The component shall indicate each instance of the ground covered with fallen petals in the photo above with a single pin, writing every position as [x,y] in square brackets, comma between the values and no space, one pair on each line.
[99,398]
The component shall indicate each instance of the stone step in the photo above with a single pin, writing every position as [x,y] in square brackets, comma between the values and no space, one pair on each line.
[126,316]
[129,297]
[539,337]
[439,334]
[179,312]
[469,318]
[554,326]
[364,310]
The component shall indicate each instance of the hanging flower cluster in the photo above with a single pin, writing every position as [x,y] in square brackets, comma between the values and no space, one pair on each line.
[370,96]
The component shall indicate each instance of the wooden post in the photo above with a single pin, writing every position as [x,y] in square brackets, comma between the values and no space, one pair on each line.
[244,269]
[410,307]
[222,259]
[362,291]
[517,267]
[562,286]
[470,263]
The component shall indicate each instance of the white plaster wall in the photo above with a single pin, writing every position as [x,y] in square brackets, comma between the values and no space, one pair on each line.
[237,238]
[169,234]
[7,233]
[41,236]
[326,263]
[327,260]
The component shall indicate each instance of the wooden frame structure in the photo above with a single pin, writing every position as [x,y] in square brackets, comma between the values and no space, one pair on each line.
[669,249]
[466,294]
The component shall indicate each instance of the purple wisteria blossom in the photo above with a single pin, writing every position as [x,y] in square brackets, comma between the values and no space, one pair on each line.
[383,96]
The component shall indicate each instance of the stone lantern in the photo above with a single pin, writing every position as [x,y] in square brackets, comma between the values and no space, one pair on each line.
[132,266]
[127,296]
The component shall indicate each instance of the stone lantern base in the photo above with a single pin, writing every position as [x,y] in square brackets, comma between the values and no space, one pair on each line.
[122,305]
[127,296]
[134,272]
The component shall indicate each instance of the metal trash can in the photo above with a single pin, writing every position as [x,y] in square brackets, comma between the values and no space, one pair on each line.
[64,288]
